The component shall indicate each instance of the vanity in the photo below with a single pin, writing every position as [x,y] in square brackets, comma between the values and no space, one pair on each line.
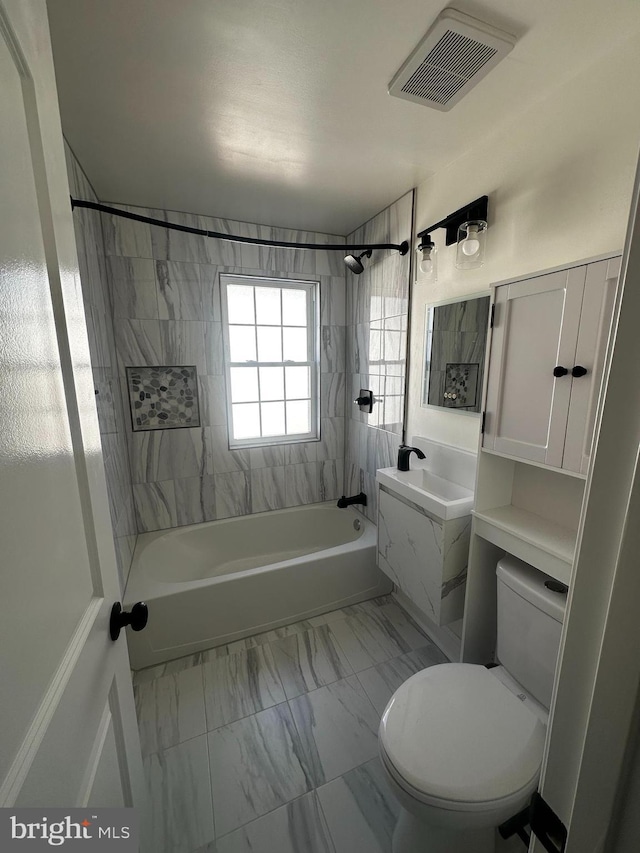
[424,526]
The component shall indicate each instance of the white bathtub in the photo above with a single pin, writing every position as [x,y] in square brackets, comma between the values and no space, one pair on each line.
[212,583]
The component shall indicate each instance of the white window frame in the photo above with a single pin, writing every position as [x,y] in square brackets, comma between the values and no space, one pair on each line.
[313,357]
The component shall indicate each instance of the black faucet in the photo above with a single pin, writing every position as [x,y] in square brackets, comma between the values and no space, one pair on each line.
[404,453]
[355,499]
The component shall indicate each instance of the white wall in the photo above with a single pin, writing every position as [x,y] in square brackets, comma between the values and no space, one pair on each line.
[559,179]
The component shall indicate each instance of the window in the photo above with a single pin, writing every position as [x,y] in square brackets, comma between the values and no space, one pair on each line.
[271,359]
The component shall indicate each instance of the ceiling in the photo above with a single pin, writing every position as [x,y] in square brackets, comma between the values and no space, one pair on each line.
[276,111]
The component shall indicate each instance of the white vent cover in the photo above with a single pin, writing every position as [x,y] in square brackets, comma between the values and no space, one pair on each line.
[456,53]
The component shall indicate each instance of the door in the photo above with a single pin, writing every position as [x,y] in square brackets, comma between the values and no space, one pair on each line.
[595,318]
[68,735]
[598,676]
[535,331]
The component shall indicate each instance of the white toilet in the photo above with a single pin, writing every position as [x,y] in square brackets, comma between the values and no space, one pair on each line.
[462,744]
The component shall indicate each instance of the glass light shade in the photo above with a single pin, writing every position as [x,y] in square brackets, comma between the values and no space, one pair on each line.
[471,244]
[427,262]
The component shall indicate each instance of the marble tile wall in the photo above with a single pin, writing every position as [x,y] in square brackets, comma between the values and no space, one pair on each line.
[377,316]
[112,417]
[166,303]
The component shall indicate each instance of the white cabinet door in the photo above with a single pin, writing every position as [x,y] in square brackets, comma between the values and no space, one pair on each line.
[410,553]
[68,735]
[595,319]
[535,331]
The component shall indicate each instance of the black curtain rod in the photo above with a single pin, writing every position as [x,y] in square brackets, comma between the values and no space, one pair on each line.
[403,248]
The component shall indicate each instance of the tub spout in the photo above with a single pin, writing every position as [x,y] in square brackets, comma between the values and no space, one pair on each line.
[355,499]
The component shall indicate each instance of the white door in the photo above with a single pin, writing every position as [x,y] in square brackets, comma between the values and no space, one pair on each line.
[595,319]
[592,713]
[535,331]
[68,735]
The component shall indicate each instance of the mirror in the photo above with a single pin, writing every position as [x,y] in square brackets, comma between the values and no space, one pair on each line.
[455,341]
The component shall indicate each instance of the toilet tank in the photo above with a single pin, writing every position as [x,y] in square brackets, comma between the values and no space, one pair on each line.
[531,608]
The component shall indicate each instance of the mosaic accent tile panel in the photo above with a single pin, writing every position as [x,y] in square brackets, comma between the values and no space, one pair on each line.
[461,386]
[163,397]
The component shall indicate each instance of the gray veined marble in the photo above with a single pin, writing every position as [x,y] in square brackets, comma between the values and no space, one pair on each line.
[257,764]
[183,342]
[155,506]
[369,639]
[180,292]
[330,480]
[195,499]
[233,494]
[133,284]
[213,401]
[338,726]
[179,818]
[332,349]
[170,709]
[308,660]
[138,343]
[149,673]
[301,484]
[267,489]
[381,681]
[241,684]
[360,810]
[332,400]
[304,451]
[298,827]
[169,454]
[223,459]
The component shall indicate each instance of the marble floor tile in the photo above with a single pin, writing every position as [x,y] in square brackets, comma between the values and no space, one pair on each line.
[377,636]
[309,660]
[360,810]
[179,817]
[338,726]
[141,676]
[170,709]
[239,685]
[257,764]
[298,827]
[380,682]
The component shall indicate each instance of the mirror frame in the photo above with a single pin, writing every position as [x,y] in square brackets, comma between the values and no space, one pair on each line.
[480,294]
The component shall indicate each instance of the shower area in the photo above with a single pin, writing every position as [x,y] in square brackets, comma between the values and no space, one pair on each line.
[178,470]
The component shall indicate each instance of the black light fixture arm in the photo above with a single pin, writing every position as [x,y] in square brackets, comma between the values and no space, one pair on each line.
[477,209]
[403,247]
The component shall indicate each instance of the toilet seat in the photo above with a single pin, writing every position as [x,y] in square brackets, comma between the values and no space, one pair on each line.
[455,737]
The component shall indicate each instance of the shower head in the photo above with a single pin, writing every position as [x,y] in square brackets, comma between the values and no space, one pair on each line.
[355,264]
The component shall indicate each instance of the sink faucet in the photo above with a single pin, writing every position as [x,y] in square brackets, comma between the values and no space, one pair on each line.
[404,453]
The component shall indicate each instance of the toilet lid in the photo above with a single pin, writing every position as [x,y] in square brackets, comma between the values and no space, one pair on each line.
[454,732]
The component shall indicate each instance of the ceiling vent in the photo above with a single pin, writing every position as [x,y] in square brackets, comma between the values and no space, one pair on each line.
[456,53]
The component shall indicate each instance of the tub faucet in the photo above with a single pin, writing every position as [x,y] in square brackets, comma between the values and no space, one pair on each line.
[355,499]
[404,453]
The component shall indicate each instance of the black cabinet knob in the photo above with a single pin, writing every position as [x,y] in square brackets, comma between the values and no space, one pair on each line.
[579,371]
[137,617]
[559,371]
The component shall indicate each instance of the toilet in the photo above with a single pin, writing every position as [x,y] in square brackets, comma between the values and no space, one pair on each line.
[461,743]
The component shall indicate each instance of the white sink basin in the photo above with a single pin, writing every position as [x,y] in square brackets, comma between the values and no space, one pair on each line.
[435,494]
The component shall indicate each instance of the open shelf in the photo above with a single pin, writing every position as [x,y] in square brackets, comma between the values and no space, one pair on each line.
[543,543]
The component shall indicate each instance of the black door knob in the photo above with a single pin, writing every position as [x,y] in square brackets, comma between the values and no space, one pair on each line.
[579,371]
[559,371]
[137,617]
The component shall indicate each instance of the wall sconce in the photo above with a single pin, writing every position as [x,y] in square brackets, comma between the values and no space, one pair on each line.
[471,244]
[428,259]
[468,228]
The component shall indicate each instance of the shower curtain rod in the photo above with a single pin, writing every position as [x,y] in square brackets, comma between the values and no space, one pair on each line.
[403,248]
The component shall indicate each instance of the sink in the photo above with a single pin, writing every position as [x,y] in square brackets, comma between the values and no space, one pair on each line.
[433,492]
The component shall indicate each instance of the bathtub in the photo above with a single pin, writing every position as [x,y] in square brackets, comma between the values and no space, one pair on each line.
[212,583]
